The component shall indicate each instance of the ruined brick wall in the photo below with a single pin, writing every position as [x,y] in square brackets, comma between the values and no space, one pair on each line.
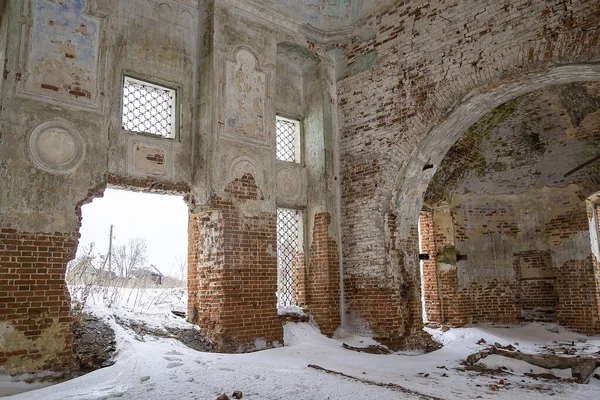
[514,224]
[406,69]
[534,264]
[511,279]
[389,307]
[577,290]
[299,278]
[536,294]
[595,257]
[233,268]
[430,289]
[35,305]
[578,281]
[205,271]
[323,278]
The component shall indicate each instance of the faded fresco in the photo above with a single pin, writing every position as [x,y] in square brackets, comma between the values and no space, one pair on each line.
[62,61]
[245,98]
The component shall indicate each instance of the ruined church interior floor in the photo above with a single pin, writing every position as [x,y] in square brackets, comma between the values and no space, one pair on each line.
[163,368]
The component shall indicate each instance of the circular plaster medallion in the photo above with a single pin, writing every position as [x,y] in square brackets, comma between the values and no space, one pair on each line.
[55,146]
[288,183]
[244,165]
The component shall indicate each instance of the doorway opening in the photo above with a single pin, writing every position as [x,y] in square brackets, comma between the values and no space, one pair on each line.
[132,240]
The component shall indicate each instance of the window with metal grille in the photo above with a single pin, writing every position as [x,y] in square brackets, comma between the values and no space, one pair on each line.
[290,260]
[148,108]
[287,139]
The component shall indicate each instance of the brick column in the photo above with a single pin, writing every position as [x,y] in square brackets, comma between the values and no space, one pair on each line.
[387,303]
[35,306]
[323,283]
[430,288]
[233,271]
[577,283]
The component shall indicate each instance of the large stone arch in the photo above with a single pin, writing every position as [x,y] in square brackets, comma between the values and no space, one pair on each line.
[413,179]
[388,271]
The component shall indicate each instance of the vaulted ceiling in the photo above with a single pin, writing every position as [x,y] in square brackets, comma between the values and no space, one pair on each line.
[327,15]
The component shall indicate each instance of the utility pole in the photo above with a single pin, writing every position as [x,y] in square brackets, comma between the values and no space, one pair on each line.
[110,248]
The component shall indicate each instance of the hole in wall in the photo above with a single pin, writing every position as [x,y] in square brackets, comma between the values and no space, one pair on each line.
[149,242]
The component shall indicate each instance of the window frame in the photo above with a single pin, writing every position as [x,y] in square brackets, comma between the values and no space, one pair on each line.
[159,84]
[298,141]
[302,245]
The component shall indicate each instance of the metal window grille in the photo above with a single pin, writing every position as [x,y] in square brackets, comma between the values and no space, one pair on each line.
[148,108]
[289,240]
[287,139]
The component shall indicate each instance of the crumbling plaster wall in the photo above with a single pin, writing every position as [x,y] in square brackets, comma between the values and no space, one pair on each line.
[3,33]
[516,214]
[61,142]
[258,72]
[412,80]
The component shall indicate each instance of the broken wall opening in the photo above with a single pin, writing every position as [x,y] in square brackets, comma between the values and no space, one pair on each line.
[132,239]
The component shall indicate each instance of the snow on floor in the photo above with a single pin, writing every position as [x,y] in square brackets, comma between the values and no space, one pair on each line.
[165,369]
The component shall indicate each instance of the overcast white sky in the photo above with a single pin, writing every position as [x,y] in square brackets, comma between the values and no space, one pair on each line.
[161,219]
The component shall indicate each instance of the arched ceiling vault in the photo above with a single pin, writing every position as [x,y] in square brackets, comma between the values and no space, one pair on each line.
[325,15]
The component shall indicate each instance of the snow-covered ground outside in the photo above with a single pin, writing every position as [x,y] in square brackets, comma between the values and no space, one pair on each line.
[162,368]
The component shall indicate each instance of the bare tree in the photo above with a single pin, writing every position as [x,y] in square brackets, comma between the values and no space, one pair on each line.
[130,256]
[83,265]
[181,264]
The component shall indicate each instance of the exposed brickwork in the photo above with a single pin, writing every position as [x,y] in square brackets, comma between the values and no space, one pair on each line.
[390,307]
[538,300]
[35,306]
[427,57]
[323,279]
[536,290]
[233,271]
[451,298]
[379,305]
[430,288]
[492,217]
[491,302]
[148,184]
[565,226]
[576,286]
[299,277]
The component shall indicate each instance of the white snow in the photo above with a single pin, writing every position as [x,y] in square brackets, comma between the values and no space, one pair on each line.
[163,369]
[281,310]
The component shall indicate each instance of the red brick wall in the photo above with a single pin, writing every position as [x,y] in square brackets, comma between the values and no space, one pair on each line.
[537,295]
[567,294]
[389,307]
[430,288]
[323,278]
[490,302]
[35,306]
[577,280]
[233,269]
[577,293]
[205,271]
[427,58]
[299,277]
